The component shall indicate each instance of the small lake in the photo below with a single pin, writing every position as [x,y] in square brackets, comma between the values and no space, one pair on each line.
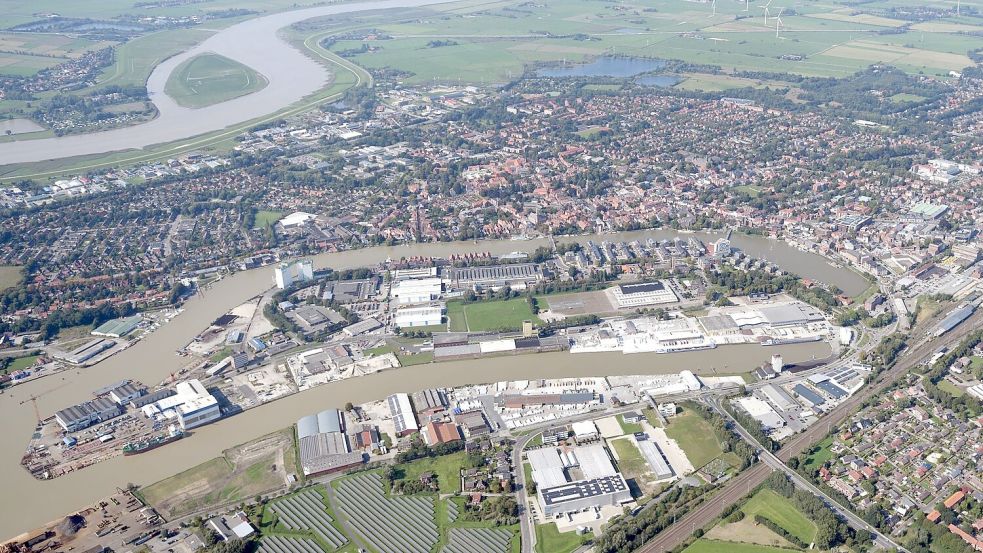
[608,66]
[19,126]
[663,81]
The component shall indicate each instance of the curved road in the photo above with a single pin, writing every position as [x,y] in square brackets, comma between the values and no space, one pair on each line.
[292,75]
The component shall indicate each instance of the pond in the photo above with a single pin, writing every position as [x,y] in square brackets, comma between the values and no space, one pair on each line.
[607,66]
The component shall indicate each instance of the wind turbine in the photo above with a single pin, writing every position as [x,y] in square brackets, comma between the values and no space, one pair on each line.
[713,6]
[765,8]
[778,22]
[747,5]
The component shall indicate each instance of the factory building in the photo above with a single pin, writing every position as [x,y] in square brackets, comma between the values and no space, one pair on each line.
[805,393]
[646,293]
[656,459]
[287,274]
[84,415]
[518,276]
[117,328]
[126,393]
[763,413]
[430,401]
[424,315]
[402,412]
[324,448]
[421,290]
[191,405]
[602,485]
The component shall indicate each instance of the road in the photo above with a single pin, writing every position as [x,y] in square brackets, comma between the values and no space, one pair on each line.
[775,463]
[740,485]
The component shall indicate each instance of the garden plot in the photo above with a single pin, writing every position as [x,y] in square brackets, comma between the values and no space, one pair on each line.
[388,524]
[478,540]
[306,511]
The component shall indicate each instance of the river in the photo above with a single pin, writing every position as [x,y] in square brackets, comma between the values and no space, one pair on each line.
[153,358]
[291,74]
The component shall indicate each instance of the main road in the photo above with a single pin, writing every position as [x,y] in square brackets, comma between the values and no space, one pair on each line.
[291,75]
[740,485]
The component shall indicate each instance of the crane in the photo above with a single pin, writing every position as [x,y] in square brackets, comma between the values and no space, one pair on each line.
[34,400]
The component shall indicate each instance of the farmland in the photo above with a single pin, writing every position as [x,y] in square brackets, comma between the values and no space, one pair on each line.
[210,79]
[494,45]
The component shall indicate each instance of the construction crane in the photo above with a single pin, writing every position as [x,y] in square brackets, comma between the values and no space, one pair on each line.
[34,401]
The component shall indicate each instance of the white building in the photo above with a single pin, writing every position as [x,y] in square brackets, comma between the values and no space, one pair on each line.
[585,431]
[601,484]
[667,409]
[762,412]
[420,290]
[423,315]
[777,364]
[976,391]
[645,293]
[295,219]
[191,405]
[287,274]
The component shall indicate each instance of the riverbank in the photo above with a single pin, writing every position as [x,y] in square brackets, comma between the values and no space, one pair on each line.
[153,359]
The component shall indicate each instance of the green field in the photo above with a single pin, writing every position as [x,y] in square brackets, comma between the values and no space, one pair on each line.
[266,218]
[489,315]
[10,276]
[779,510]
[630,460]
[819,457]
[446,467]
[211,79]
[695,436]
[238,475]
[951,388]
[495,44]
[628,427]
[713,546]
[550,540]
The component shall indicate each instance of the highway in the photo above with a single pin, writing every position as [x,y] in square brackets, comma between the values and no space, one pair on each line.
[740,485]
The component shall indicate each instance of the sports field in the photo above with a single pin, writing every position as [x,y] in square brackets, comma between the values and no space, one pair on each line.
[210,79]
[489,315]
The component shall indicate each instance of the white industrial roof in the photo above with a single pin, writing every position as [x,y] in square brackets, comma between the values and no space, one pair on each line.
[547,467]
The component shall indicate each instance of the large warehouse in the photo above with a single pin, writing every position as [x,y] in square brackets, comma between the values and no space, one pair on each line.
[86,414]
[644,293]
[599,486]
[402,412]
[324,447]
[192,405]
